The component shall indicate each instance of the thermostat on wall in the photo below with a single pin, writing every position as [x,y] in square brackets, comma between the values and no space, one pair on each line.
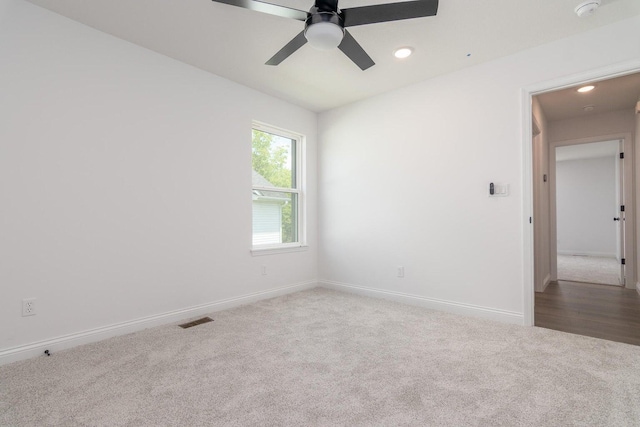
[498,190]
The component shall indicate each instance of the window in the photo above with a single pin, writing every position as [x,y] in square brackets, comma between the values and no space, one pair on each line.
[277,193]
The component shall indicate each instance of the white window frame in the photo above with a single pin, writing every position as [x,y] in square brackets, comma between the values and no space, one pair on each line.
[299,190]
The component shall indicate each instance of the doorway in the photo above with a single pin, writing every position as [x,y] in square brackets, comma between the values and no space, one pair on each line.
[549,132]
[589,198]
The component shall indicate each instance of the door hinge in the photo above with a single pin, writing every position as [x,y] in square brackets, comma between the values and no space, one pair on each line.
[621,208]
[624,261]
[622,155]
[530,220]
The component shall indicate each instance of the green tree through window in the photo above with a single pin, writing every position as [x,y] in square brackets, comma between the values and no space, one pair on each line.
[274,159]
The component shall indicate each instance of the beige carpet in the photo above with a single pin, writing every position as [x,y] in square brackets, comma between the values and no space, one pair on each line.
[327,358]
[588,269]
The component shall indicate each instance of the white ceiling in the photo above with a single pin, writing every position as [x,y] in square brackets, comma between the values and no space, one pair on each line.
[620,93]
[234,43]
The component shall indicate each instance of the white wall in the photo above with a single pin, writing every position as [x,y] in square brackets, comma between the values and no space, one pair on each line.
[415,165]
[595,125]
[125,184]
[586,205]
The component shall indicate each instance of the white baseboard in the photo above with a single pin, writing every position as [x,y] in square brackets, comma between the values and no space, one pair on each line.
[546,282]
[581,253]
[432,303]
[84,337]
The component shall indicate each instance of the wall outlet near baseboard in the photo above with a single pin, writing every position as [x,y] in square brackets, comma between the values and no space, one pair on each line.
[400,271]
[28,307]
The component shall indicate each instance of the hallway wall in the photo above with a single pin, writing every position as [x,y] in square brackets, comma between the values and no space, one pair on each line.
[541,202]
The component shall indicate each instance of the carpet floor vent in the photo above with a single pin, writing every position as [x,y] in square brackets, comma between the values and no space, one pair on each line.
[196,322]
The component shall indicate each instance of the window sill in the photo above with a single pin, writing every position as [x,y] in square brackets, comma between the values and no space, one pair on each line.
[278,250]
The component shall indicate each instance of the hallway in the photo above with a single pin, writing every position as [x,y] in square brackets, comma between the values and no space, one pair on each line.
[607,312]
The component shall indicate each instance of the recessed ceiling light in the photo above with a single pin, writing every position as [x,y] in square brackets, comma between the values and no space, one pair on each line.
[588,88]
[403,52]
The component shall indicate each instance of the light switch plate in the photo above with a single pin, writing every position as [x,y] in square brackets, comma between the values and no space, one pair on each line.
[500,190]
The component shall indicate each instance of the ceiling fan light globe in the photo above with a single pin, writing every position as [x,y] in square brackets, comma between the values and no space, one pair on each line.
[324,35]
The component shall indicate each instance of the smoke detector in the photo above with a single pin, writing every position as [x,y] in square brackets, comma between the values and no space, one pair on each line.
[587,8]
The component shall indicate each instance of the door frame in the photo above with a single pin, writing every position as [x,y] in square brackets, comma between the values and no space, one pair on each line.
[628,200]
[526,94]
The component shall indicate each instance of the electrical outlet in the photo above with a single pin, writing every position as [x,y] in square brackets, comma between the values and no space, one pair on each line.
[28,307]
[264,270]
[400,271]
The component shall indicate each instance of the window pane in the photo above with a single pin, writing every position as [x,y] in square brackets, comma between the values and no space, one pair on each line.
[275,217]
[273,159]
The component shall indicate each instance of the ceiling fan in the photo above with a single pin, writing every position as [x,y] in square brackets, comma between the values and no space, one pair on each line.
[325,25]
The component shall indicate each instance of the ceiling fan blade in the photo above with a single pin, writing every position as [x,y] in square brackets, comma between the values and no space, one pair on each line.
[295,44]
[272,9]
[355,52]
[389,12]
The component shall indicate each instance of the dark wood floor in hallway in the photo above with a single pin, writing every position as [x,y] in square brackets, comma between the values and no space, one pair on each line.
[608,312]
